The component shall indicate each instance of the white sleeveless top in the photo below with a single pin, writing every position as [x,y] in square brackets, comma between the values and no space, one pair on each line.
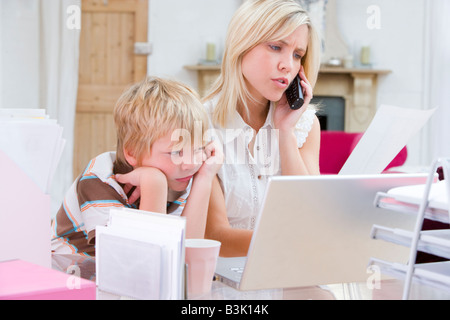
[244,177]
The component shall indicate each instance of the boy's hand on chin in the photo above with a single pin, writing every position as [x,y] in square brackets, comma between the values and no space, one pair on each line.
[213,160]
[136,177]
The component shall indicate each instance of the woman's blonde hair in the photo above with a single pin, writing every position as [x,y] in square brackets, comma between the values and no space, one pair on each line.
[256,22]
[152,108]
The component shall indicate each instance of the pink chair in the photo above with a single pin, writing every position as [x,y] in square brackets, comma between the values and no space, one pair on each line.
[336,146]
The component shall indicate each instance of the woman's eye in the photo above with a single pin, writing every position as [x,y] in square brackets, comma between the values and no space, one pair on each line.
[273,47]
[297,56]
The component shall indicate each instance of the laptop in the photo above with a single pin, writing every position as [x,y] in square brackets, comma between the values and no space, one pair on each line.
[315,230]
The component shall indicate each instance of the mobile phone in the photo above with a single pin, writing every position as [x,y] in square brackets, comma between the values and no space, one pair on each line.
[294,94]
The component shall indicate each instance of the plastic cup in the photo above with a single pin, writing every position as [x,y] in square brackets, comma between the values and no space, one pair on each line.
[201,260]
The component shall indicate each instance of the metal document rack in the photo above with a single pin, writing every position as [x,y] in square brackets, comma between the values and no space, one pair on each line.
[436,242]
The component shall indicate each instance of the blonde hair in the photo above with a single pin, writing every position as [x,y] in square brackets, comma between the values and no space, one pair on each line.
[152,108]
[256,22]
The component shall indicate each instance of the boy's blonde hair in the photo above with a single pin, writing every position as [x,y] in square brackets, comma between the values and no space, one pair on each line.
[256,22]
[152,108]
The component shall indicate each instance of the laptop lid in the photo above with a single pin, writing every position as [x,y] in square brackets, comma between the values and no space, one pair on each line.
[315,230]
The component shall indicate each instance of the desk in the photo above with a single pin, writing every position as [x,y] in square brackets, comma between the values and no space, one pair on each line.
[390,289]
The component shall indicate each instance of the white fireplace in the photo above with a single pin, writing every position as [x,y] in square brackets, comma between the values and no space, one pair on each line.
[357,86]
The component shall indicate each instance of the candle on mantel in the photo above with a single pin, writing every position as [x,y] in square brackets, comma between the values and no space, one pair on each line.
[210,51]
[365,55]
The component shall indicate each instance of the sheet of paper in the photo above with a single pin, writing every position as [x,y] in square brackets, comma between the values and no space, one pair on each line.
[158,241]
[33,141]
[390,130]
[22,113]
[164,230]
[120,272]
[24,216]
[437,199]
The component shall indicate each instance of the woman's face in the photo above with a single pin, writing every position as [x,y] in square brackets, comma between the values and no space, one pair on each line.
[270,66]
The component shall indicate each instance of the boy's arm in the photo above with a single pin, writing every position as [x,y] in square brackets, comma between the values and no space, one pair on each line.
[234,242]
[152,184]
[95,199]
[196,209]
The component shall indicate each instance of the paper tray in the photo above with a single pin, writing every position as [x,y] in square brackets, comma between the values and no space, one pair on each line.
[435,274]
[436,242]
[386,201]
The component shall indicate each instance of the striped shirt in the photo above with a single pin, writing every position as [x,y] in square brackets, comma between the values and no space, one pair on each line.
[87,204]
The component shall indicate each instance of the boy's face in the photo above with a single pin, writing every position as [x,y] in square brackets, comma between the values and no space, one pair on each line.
[179,166]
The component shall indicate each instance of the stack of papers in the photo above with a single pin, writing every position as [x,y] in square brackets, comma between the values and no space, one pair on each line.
[437,198]
[33,141]
[436,242]
[407,199]
[427,201]
[140,255]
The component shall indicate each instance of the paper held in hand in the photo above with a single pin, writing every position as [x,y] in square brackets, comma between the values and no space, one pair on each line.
[390,130]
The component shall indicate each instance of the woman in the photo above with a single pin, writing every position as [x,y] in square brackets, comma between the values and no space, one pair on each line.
[269,43]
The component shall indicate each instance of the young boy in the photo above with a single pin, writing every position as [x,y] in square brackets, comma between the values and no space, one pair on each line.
[153,162]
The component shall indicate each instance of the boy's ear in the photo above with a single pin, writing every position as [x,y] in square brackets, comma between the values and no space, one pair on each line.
[129,157]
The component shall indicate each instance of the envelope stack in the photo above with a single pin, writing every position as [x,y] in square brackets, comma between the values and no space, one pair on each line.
[140,255]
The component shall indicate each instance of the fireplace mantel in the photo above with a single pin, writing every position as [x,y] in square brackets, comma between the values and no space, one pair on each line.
[358,87]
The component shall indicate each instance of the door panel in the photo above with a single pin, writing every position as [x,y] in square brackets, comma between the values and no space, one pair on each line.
[108,65]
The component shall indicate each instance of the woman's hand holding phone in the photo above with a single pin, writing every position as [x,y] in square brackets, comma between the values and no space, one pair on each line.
[294,94]
[288,112]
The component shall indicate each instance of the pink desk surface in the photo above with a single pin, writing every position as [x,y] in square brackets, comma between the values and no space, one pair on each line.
[21,280]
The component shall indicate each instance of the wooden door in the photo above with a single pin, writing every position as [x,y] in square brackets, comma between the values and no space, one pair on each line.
[107,65]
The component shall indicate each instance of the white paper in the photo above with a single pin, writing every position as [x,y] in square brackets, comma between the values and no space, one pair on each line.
[33,141]
[390,130]
[119,265]
[22,113]
[437,198]
[164,230]
[156,238]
